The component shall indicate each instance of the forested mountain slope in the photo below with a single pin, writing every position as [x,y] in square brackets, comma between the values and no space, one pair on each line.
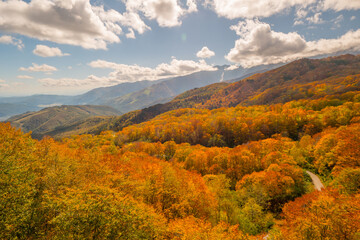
[48,119]
[302,79]
[174,177]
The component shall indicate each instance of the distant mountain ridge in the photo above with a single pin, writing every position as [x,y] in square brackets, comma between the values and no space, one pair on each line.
[164,91]
[48,119]
[302,79]
[99,96]
[10,106]
[127,96]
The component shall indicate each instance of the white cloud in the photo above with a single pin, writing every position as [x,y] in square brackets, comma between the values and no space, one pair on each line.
[340,5]
[166,12]
[24,77]
[71,22]
[301,13]
[39,68]
[192,7]
[253,8]
[3,84]
[62,82]
[127,19]
[130,34]
[130,73]
[205,52]
[316,19]
[232,67]
[248,9]
[5,39]
[45,51]
[91,80]
[298,22]
[258,44]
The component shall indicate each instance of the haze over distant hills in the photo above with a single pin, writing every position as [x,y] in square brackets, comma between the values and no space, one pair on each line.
[128,96]
[10,106]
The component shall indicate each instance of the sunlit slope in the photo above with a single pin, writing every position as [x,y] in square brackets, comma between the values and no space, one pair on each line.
[48,119]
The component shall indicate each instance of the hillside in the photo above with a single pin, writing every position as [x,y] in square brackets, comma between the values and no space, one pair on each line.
[305,78]
[228,173]
[163,92]
[48,119]
[127,96]
[95,125]
[168,89]
[99,96]
[302,79]
[10,106]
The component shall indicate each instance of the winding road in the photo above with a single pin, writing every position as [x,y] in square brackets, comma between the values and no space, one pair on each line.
[317,185]
[316,181]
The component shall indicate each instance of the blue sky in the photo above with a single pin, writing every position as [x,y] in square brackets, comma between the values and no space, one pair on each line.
[71,46]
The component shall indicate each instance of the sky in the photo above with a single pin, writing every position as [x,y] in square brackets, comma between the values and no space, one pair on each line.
[71,46]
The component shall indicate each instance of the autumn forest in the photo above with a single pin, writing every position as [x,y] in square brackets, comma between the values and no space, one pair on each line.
[227,161]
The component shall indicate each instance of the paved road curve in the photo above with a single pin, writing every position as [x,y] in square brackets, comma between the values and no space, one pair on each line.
[317,185]
[316,181]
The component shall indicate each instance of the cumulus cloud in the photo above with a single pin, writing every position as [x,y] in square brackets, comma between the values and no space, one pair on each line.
[112,19]
[166,12]
[45,51]
[205,52]
[253,8]
[39,68]
[258,44]
[233,9]
[25,77]
[71,22]
[5,39]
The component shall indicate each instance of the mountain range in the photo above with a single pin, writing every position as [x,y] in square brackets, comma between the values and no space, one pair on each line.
[301,79]
[127,96]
